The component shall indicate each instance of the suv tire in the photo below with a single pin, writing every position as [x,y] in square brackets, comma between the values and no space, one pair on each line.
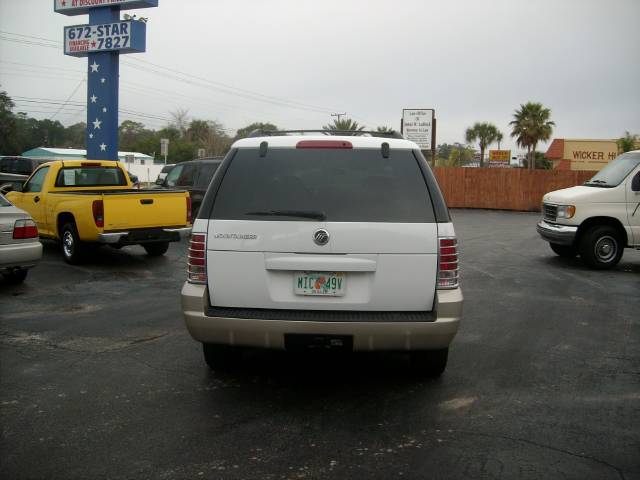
[430,363]
[72,248]
[601,247]
[156,249]
[564,251]
[220,357]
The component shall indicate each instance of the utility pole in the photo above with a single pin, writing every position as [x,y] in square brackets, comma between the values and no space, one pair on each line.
[338,115]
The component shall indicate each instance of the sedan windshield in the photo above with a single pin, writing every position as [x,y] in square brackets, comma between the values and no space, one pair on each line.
[616,171]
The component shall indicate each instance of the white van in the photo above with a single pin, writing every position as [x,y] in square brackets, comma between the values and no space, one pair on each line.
[598,219]
[324,242]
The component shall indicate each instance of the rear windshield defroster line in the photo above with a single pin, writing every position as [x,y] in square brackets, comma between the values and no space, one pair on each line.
[344,185]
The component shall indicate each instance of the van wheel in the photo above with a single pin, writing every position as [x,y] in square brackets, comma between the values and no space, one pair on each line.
[70,244]
[430,363]
[15,276]
[156,249]
[565,251]
[220,357]
[601,247]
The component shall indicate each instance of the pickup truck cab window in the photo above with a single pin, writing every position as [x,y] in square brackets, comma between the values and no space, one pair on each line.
[34,184]
[91,177]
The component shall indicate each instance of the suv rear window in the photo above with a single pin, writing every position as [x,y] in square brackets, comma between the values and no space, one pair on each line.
[357,185]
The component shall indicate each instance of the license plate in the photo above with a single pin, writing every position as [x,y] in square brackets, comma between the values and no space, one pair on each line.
[331,284]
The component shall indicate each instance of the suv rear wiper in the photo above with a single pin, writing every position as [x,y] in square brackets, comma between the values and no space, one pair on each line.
[316,215]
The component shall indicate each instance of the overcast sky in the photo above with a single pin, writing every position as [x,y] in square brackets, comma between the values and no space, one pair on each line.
[294,62]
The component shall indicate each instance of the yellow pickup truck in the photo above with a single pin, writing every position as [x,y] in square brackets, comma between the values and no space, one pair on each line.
[87,202]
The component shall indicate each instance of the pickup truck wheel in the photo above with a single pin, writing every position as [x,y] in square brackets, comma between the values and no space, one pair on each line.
[430,363]
[565,251]
[601,247]
[15,276]
[220,357]
[156,249]
[70,244]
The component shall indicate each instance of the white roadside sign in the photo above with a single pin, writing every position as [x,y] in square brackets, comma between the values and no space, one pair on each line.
[417,126]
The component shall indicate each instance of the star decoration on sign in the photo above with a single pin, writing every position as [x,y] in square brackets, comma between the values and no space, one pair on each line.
[93,98]
[96,124]
[103,147]
[94,67]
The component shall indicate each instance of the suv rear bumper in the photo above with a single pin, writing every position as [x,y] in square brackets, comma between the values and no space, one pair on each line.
[559,234]
[367,336]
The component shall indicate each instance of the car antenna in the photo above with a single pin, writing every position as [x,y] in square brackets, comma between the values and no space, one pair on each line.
[263,148]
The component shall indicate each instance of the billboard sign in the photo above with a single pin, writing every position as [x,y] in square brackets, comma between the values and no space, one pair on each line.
[81,7]
[500,156]
[417,126]
[126,37]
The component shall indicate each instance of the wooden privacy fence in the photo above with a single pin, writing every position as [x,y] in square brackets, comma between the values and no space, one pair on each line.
[503,188]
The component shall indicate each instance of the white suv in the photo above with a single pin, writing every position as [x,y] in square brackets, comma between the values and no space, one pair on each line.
[324,242]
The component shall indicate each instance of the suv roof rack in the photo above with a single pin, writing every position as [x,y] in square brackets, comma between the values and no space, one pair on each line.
[350,133]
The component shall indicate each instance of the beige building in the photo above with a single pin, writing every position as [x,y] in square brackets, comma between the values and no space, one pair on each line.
[579,154]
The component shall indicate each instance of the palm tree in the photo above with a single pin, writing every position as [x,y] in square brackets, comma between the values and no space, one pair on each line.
[531,125]
[485,134]
[344,125]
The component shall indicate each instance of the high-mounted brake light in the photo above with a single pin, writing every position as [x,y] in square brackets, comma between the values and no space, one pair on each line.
[97,207]
[197,259]
[189,219]
[23,229]
[447,263]
[333,144]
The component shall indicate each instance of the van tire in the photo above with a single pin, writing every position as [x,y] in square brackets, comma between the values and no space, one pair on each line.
[220,357]
[564,251]
[72,248]
[156,249]
[601,247]
[429,363]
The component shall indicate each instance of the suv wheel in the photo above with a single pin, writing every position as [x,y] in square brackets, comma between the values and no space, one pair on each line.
[70,244]
[220,357]
[601,247]
[565,251]
[430,363]
[156,249]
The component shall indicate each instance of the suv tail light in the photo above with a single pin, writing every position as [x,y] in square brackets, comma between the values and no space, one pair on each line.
[197,259]
[189,209]
[98,213]
[447,263]
[25,229]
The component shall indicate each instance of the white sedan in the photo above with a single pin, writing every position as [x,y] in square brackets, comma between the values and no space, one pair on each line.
[20,247]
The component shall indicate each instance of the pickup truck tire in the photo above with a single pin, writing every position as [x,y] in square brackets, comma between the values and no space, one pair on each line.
[601,247]
[220,357]
[565,251]
[15,276]
[72,248]
[156,249]
[429,363]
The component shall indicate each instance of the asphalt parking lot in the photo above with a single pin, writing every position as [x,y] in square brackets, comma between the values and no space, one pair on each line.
[99,378]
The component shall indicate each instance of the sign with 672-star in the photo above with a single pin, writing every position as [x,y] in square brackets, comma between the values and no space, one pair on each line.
[125,37]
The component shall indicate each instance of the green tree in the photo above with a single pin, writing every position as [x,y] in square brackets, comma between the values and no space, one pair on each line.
[485,134]
[344,125]
[9,144]
[628,142]
[245,131]
[531,125]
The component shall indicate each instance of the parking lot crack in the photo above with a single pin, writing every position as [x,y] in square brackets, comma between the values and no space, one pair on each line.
[547,447]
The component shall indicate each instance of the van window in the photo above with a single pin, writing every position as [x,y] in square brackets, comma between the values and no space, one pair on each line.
[344,185]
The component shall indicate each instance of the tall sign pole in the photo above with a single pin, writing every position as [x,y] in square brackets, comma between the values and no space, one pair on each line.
[102,41]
